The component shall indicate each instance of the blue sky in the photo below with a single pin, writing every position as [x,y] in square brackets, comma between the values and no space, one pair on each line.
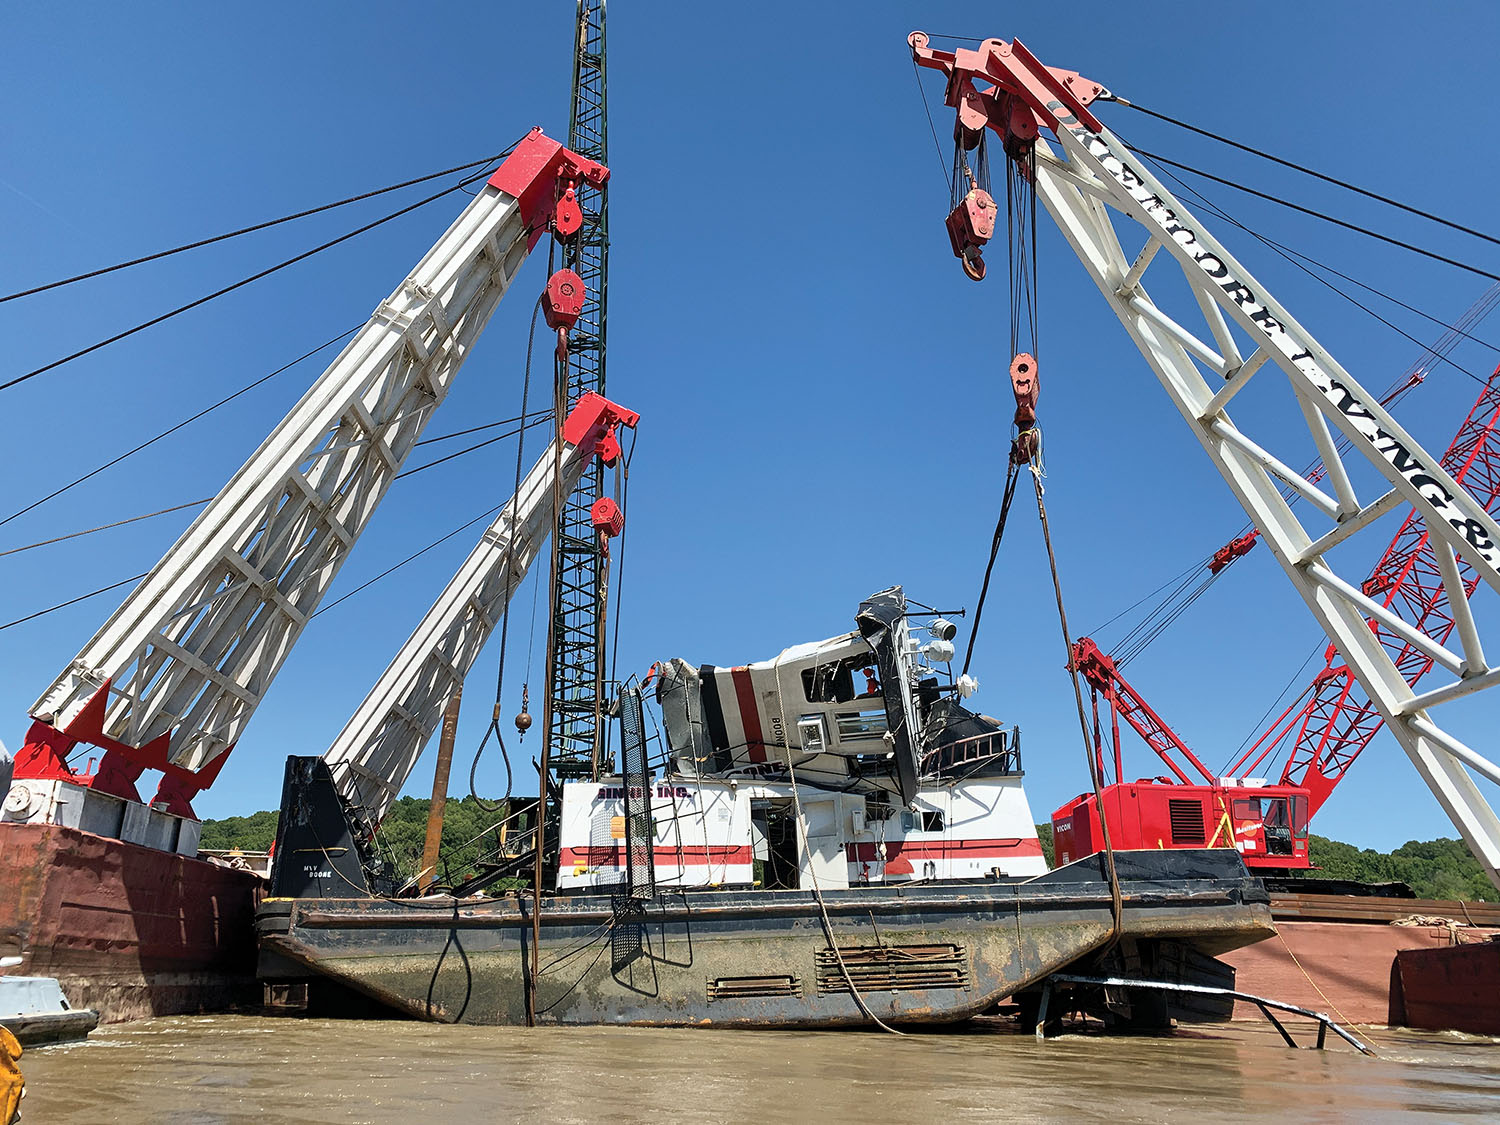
[825,409]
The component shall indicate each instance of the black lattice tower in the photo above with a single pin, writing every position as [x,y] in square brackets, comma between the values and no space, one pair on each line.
[578,656]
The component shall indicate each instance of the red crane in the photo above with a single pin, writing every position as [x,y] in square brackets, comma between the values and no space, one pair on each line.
[1266,823]
[1326,733]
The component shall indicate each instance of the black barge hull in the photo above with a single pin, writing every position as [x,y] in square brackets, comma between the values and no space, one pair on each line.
[936,953]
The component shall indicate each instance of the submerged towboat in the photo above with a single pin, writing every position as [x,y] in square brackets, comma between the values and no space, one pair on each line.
[832,836]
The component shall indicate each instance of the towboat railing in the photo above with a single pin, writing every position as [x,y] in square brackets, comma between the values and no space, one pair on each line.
[973,752]
[1265,1005]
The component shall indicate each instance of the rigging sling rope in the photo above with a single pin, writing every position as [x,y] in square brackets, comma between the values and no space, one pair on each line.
[494,727]
[1025,449]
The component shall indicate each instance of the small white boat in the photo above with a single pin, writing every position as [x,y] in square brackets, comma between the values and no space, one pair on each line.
[36,1012]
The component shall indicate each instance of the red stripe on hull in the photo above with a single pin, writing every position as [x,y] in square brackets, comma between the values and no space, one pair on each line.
[744,695]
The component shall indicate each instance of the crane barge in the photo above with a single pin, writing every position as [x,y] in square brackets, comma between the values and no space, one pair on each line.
[740,728]
[898,878]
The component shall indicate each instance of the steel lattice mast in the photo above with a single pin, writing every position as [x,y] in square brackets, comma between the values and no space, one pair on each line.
[577,610]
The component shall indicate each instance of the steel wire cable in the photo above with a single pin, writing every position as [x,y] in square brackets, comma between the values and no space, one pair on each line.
[1021,266]
[105,527]
[124,582]
[921,93]
[73,601]
[1164,608]
[1306,170]
[1011,476]
[250,229]
[1322,265]
[529,423]
[1220,212]
[1415,249]
[614,656]
[1161,625]
[1342,443]
[173,429]
[1117,902]
[1174,580]
[1258,728]
[494,725]
[118,336]
[409,558]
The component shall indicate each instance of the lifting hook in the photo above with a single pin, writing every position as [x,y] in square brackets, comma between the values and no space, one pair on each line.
[1024,382]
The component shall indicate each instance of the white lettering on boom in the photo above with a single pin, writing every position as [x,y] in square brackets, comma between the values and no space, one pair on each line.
[1427,481]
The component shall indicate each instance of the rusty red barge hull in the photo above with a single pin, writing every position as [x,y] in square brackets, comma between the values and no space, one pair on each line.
[1338,954]
[1456,988]
[128,930]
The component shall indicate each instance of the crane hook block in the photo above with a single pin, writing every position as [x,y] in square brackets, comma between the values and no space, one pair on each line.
[562,303]
[606,517]
[1026,385]
[1023,381]
[970,225]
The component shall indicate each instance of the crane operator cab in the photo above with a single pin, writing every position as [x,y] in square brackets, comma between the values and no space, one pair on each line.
[1270,825]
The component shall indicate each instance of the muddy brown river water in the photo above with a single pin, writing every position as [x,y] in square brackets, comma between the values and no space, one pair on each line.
[252,1069]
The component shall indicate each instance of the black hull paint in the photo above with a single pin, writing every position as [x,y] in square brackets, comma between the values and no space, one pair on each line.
[935,953]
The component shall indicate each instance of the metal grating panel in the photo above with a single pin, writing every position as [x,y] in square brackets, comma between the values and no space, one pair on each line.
[750,988]
[640,834]
[893,968]
[627,933]
[1187,821]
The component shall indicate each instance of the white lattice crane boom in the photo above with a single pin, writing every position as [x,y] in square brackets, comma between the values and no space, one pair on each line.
[374,754]
[174,675]
[1096,189]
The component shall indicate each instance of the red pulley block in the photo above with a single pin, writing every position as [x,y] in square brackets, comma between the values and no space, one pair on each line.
[970,225]
[567,219]
[607,517]
[1025,385]
[562,303]
[1023,382]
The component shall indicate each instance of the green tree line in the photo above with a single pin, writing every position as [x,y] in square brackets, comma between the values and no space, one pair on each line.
[1441,868]
[467,834]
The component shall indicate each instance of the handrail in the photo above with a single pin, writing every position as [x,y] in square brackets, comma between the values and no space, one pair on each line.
[1265,1005]
[975,748]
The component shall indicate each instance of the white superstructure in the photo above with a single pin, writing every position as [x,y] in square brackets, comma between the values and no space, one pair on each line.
[757,834]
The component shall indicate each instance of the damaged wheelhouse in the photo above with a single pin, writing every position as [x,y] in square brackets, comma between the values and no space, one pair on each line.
[849,761]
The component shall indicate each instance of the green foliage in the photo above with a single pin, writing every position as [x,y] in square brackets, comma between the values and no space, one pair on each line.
[1044,833]
[252,833]
[465,835]
[402,834]
[1441,868]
